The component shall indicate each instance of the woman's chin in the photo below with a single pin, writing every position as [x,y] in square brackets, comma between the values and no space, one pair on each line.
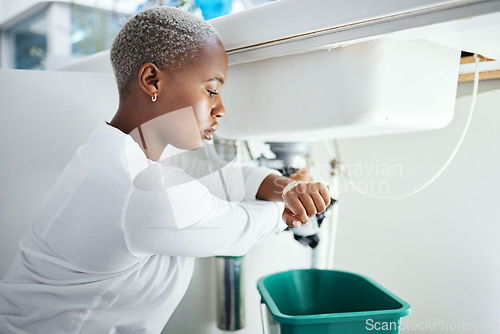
[191,144]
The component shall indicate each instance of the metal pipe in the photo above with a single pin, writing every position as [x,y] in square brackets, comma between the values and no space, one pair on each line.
[230,293]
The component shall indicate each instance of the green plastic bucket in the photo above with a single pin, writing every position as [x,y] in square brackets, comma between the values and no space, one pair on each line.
[313,301]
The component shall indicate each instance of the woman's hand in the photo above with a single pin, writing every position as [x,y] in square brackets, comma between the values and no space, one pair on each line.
[304,200]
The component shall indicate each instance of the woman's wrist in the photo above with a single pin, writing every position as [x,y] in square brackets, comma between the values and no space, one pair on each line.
[272,187]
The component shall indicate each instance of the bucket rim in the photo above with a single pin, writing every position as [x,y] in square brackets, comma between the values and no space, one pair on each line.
[392,314]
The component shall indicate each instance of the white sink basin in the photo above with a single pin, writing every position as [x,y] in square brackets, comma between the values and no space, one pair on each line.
[371,88]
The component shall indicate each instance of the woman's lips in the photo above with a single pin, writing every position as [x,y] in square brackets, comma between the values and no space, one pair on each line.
[209,133]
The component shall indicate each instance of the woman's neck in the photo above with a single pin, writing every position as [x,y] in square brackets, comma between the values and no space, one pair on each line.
[149,141]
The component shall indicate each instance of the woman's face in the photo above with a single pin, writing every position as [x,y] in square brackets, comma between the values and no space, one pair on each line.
[196,90]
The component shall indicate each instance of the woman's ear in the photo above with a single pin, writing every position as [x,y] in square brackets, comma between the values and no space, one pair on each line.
[148,78]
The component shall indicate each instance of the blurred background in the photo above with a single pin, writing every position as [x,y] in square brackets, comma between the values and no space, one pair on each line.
[41,35]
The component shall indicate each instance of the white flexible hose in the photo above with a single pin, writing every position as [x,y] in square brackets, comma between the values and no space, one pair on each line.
[453,154]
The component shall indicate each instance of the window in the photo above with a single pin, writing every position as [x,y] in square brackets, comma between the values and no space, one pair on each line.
[29,42]
[93,30]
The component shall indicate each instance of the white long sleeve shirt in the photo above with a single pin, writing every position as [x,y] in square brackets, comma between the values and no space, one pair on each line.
[111,252]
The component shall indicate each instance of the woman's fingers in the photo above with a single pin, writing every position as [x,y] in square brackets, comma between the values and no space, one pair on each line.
[325,194]
[320,195]
[306,199]
[290,219]
[308,204]
[319,202]
[295,205]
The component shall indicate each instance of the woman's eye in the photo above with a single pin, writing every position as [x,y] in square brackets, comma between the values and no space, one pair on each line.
[211,93]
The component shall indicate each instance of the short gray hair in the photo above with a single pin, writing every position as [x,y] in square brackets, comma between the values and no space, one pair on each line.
[168,37]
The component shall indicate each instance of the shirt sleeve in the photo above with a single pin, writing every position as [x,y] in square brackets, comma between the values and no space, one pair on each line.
[186,219]
[253,177]
[199,163]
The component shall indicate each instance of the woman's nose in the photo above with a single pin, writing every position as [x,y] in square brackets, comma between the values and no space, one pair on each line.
[218,109]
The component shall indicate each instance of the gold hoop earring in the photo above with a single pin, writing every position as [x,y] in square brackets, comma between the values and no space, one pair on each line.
[154,97]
